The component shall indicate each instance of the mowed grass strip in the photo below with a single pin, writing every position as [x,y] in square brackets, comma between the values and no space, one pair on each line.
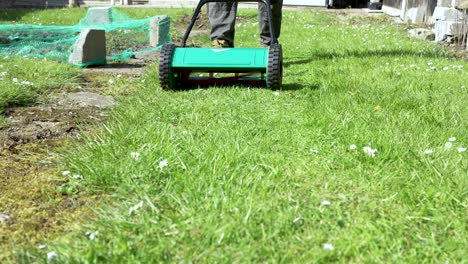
[361,157]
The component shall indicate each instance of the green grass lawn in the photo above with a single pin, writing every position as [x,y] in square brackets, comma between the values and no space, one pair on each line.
[23,80]
[360,158]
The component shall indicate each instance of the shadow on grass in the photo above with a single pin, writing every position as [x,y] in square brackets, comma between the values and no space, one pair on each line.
[14,14]
[284,87]
[298,86]
[360,54]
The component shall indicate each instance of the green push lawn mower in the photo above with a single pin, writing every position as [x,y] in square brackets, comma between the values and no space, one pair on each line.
[183,67]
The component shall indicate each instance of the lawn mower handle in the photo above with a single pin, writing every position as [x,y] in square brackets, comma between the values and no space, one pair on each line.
[203,2]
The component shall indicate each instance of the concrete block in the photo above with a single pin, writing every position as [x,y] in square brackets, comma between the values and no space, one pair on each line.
[444,29]
[98,15]
[415,15]
[159,29]
[391,11]
[89,48]
[447,14]
[444,3]
[462,4]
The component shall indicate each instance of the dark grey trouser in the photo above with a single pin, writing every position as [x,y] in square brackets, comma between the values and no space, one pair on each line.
[222,17]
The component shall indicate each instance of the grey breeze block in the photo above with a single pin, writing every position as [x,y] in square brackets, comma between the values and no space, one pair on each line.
[89,48]
[159,30]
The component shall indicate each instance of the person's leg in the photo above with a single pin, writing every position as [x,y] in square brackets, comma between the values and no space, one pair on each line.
[222,17]
[276,13]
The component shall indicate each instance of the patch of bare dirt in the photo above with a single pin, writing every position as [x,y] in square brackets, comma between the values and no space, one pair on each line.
[63,116]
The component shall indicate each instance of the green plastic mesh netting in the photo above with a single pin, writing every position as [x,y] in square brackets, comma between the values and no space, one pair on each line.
[125,37]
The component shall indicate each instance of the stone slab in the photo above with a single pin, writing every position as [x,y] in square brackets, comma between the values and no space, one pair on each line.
[98,15]
[444,29]
[86,99]
[447,14]
[422,33]
[416,15]
[89,48]
[159,29]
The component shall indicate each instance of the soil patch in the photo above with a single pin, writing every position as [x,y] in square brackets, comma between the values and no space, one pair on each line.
[33,204]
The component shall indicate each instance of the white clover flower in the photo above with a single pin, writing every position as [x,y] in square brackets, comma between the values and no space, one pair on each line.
[276,93]
[452,139]
[92,235]
[461,149]
[328,246]
[448,145]
[3,74]
[428,151]
[135,208]
[27,83]
[77,176]
[52,256]
[297,219]
[463,86]
[41,246]
[314,151]
[163,164]
[111,81]
[445,68]
[352,147]
[325,203]
[119,75]
[369,151]
[15,80]
[135,155]
[65,173]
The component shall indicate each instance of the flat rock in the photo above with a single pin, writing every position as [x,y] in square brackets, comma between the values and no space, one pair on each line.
[422,33]
[4,217]
[86,99]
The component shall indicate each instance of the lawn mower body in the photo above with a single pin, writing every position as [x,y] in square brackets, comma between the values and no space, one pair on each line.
[219,59]
[189,66]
